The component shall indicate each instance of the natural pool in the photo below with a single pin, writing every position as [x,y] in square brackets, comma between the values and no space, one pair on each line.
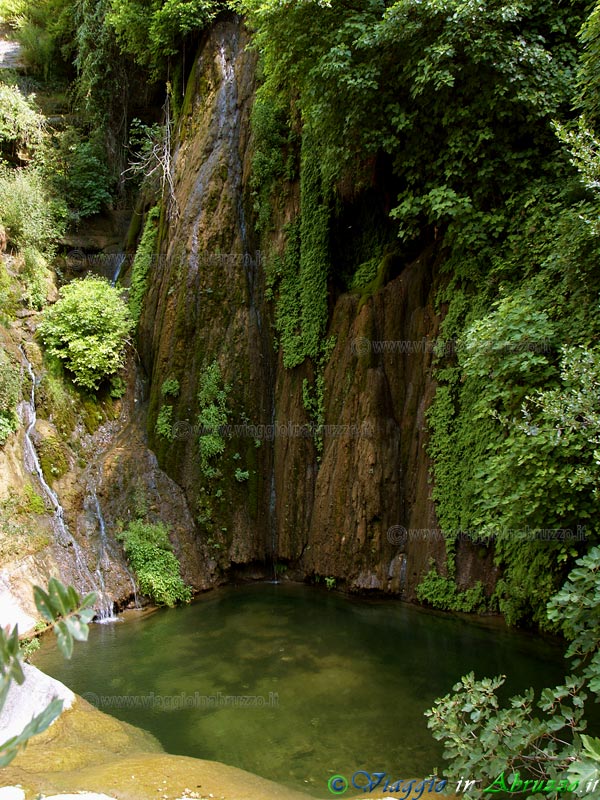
[344,681]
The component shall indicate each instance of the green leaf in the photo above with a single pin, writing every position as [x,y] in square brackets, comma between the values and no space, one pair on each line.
[37,725]
[592,746]
[43,604]
[64,638]
[78,629]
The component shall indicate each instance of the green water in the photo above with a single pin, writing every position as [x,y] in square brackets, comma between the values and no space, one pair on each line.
[349,679]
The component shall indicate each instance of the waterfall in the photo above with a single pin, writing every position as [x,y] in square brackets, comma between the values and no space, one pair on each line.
[106,557]
[106,610]
[28,416]
[119,265]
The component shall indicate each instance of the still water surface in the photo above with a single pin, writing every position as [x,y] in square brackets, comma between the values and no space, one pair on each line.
[335,684]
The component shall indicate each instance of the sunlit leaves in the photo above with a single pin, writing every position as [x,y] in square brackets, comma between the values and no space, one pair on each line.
[87,329]
[70,614]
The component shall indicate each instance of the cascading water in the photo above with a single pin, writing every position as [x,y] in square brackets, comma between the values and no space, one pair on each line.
[85,580]
[106,608]
[118,266]
[106,557]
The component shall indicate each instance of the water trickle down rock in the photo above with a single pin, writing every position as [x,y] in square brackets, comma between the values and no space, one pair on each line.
[205,300]
[84,580]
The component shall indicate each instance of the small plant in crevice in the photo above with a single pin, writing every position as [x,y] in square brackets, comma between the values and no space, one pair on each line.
[28,647]
[164,423]
[241,475]
[313,397]
[118,387]
[330,582]
[212,418]
[170,388]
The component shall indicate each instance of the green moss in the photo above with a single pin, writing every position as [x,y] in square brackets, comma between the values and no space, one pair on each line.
[133,232]
[18,537]
[53,458]
[56,402]
[34,504]
[144,256]
[381,271]
[253,479]
[91,413]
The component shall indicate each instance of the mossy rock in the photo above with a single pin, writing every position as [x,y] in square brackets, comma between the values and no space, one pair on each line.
[386,269]
[33,502]
[56,403]
[92,414]
[53,458]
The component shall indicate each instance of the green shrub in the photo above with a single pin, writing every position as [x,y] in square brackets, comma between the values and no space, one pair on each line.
[536,737]
[150,554]
[87,329]
[151,33]
[7,295]
[76,170]
[443,593]
[11,10]
[144,256]
[21,124]
[27,213]
[35,276]
[28,647]
[37,47]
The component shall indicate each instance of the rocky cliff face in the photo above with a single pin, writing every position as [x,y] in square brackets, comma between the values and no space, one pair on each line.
[250,495]
[205,304]
[363,513]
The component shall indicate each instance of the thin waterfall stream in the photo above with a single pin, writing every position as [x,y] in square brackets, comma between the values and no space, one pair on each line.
[86,580]
[106,553]
[118,267]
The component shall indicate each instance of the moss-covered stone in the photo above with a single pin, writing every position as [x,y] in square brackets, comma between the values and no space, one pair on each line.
[53,458]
